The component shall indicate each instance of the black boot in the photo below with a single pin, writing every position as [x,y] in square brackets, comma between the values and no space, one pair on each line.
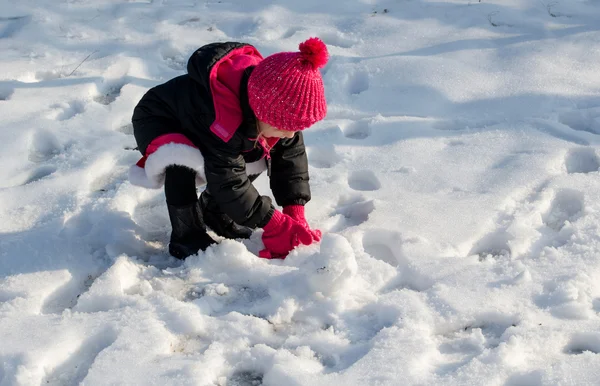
[189,232]
[219,222]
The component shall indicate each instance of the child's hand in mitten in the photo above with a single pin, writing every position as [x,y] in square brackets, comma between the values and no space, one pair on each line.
[281,235]
[297,213]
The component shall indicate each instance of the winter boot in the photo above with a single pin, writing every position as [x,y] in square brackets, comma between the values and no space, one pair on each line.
[189,232]
[219,222]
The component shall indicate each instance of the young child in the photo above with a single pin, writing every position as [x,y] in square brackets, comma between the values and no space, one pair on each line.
[232,116]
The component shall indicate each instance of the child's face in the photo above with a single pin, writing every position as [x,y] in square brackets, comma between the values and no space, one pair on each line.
[269,131]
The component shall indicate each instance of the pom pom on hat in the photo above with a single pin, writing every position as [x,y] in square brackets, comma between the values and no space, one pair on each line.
[286,89]
[314,51]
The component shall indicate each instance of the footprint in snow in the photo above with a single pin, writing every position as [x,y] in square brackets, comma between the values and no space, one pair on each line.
[76,226]
[355,210]
[43,145]
[173,58]
[65,297]
[323,156]
[38,174]
[388,247]
[364,180]
[73,369]
[385,246]
[568,205]
[583,342]
[337,39]
[494,245]
[356,129]
[459,347]
[570,298]
[108,91]
[582,160]
[357,82]
[236,28]
[66,110]
[587,120]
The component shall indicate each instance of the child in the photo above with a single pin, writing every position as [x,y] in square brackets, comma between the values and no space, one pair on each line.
[232,116]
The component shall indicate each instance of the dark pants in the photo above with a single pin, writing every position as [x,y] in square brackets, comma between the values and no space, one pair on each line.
[180,186]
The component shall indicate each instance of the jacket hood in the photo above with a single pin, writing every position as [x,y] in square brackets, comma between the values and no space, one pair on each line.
[222,66]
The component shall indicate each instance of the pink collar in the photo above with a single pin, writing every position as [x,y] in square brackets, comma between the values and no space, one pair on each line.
[225,79]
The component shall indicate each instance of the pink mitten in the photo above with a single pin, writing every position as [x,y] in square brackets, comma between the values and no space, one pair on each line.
[297,213]
[281,235]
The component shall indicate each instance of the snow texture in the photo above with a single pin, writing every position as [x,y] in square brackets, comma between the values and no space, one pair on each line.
[455,179]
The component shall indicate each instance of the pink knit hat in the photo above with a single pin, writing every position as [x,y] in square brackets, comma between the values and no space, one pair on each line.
[286,90]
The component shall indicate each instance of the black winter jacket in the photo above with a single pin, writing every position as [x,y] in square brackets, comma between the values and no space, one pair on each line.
[185,105]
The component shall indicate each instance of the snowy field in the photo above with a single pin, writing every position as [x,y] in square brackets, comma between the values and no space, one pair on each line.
[455,179]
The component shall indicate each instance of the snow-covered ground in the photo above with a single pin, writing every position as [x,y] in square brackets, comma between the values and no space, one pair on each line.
[455,180]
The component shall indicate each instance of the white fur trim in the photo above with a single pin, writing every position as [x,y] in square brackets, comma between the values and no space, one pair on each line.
[137,176]
[254,168]
[153,174]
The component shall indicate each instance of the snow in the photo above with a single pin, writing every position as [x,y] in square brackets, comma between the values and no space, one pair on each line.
[455,180]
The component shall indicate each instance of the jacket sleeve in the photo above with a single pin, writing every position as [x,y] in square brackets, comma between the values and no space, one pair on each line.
[153,118]
[228,182]
[289,172]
